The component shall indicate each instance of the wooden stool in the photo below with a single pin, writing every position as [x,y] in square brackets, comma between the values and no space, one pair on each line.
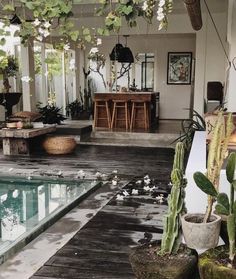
[100,106]
[141,105]
[120,105]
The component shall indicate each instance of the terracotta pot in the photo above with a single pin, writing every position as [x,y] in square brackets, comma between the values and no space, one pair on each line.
[146,264]
[200,235]
[210,267]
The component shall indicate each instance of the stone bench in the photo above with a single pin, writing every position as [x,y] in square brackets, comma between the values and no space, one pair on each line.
[18,141]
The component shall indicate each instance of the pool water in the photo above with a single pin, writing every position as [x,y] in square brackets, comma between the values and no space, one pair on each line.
[27,207]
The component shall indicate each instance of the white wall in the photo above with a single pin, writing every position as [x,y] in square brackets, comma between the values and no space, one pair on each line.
[210,60]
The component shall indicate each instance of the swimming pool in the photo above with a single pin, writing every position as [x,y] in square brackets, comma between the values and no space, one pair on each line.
[28,207]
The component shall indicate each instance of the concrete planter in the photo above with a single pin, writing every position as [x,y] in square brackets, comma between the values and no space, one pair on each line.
[200,235]
[147,264]
[210,266]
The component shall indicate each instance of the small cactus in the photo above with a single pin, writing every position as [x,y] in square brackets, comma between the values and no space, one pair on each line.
[171,236]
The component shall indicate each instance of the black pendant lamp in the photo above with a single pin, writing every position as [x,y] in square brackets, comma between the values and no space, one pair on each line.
[115,53]
[126,55]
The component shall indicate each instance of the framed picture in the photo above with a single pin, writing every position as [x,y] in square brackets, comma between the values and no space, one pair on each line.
[179,68]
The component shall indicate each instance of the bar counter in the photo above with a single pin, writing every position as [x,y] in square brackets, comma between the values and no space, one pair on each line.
[150,98]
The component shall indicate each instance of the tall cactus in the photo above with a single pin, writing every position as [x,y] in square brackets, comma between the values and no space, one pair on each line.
[171,235]
[227,205]
[217,153]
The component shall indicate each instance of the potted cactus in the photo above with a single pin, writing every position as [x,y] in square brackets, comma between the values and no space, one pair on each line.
[220,262]
[205,228]
[170,258]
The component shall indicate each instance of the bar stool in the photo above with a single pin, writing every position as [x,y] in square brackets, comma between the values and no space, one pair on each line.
[139,105]
[120,106]
[100,106]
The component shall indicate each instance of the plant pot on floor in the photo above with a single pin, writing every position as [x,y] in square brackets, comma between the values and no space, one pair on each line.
[147,264]
[199,235]
[213,264]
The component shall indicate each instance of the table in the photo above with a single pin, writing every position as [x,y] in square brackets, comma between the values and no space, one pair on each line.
[149,97]
[18,141]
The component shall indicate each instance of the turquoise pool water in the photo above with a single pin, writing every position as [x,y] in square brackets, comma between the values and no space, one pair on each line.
[27,207]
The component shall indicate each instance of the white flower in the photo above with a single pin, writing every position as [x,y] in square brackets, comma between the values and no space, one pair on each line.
[98,174]
[39,38]
[119,197]
[26,79]
[134,192]
[125,193]
[41,30]
[114,171]
[99,41]
[138,182]
[170,184]
[29,177]
[72,64]
[93,50]
[146,177]
[66,46]
[161,3]
[46,33]
[145,6]
[160,17]
[11,169]
[146,188]
[160,198]
[114,182]
[3,197]
[47,24]
[15,194]
[36,22]
[160,11]
[147,181]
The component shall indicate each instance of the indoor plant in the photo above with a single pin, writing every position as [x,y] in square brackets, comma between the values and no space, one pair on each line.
[74,109]
[170,259]
[219,261]
[216,155]
[50,114]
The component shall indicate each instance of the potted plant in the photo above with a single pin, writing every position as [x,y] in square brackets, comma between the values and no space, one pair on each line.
[205,228]
[50,114]
[74,109]
[170,259]
[8,68]
[220,261]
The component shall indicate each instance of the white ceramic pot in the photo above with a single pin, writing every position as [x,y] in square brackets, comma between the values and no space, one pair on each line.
[201,235]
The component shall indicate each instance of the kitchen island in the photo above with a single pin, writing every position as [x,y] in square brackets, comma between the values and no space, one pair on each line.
[105,109]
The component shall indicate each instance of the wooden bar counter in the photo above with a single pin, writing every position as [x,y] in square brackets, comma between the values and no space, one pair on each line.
[148,97]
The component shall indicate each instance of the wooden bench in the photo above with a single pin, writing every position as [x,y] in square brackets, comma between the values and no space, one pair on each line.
[18,141]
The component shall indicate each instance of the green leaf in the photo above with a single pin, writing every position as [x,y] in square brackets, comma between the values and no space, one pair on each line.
[86,31]
[127,10]
[74,35]
[88,38]
[231,227]
[221,210]
[9,8]
[205,184]
[2,41]
[2,52]
[223,199]
[230,168]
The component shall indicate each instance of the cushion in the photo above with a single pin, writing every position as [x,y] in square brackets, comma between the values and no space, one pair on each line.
[26,115]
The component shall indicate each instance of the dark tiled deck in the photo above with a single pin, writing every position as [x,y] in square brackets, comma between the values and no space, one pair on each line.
[100,249]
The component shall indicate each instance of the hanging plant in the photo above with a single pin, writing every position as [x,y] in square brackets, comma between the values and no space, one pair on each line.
[8,68]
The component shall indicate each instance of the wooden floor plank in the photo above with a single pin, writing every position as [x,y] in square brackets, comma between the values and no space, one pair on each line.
[101,248]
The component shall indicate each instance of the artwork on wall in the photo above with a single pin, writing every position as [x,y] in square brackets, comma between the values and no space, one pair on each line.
[179,67]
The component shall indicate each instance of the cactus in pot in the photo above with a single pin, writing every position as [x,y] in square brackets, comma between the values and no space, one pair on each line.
[171,235]
[227,206]
[201,231]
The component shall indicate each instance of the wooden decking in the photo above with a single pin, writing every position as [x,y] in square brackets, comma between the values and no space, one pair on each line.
[100,249]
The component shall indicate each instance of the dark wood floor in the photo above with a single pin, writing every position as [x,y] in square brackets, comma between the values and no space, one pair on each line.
[100,249]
